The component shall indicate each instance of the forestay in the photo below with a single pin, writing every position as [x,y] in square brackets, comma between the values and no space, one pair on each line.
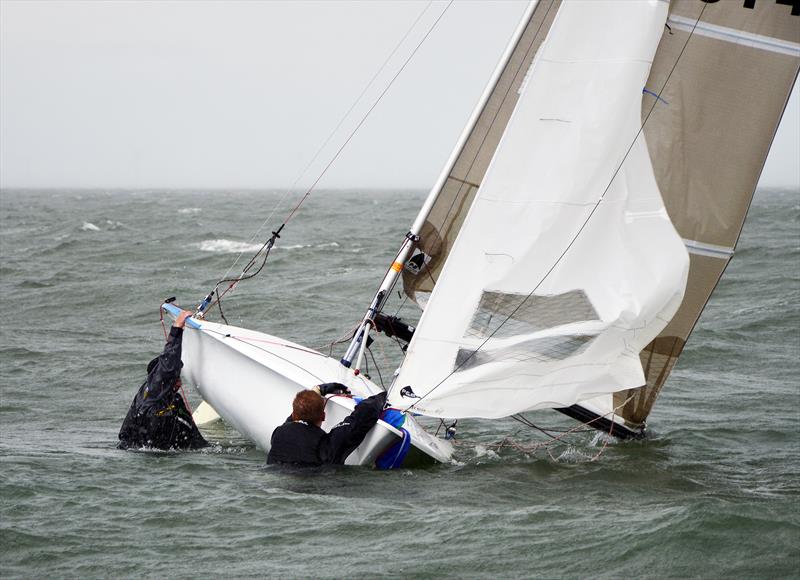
[567,264]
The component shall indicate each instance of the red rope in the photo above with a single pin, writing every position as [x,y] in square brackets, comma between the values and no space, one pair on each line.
[163,327]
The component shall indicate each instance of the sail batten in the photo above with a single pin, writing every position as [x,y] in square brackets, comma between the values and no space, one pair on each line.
[735,36]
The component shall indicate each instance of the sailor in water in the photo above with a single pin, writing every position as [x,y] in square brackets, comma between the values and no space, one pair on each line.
[302,442]
[158,416]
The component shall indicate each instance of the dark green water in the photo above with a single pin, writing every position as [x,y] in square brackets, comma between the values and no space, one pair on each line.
[714,493]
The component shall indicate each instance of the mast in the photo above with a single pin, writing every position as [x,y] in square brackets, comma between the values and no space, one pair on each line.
[358,342]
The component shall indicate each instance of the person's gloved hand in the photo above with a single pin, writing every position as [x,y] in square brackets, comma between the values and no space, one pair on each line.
[333,389]
[379,398]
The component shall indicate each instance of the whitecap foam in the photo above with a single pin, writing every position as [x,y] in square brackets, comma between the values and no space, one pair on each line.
[483,451]
[301,246]
[89,227]
[572,455]
[187,210]
[226,246]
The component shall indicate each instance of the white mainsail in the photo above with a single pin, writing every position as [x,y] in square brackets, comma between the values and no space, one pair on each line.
[551,290]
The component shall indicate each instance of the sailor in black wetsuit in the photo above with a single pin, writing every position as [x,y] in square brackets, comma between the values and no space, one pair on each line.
[158,416]
[302,442]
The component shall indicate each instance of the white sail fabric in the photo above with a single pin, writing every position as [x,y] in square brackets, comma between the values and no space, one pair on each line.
[551,288]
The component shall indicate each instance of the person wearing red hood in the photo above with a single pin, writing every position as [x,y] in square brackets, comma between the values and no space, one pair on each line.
[301,441]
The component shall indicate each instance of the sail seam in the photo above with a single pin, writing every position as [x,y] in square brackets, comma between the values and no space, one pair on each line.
[464,181]
[594,60]
[740,37]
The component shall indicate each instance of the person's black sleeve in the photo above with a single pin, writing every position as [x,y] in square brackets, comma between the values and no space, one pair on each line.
[161,379]
[349,434]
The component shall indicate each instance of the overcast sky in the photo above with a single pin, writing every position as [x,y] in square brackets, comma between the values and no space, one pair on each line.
[242,94]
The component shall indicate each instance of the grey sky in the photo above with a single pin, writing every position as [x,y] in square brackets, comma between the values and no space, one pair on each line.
[241,94]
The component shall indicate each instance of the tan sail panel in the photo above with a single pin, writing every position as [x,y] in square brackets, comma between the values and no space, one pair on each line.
[708,137]
[458,191]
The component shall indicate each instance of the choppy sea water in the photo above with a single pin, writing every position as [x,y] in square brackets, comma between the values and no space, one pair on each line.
[713,493]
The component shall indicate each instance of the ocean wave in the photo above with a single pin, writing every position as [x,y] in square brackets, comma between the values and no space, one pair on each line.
[188,210]
[89,227]
[222,246]
[301,246]
[112,225]
[226,246]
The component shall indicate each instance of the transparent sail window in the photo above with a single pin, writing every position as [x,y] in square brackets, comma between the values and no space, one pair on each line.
[551,348]
[504,315]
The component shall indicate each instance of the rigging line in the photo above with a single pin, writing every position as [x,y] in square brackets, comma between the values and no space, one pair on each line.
[333,132]
[343,338]
[524,421]
[508,441]
[269,352]
[399,308]
[577,429]
[219,305]
[430,275]
[358,126]
[582,227]
[266,248]
[243,276]
[384,359]
[497,113]
[486,136]
[366,115]
[548,429]
[377,367]
[267,244]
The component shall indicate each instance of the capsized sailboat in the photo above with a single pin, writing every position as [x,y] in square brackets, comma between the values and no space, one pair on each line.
[544,258]
[250,379]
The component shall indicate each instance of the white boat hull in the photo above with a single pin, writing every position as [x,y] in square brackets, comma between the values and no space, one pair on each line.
[251,378]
